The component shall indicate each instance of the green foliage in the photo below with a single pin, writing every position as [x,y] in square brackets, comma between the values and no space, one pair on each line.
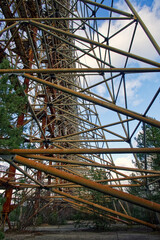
[53,218]
[56,219]
[39,220]
[152,137]
[100,223]
[78,217]
[97,197]
[150,189]
[153,162]
[12,104]
[14,215]
[2,236]
[152,140]
[2,200]
[96,217]
[97,174]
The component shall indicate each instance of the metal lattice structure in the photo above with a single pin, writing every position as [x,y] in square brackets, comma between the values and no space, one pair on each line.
[60,53]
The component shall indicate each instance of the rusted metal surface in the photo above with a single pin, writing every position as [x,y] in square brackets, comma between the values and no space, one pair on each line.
[97,44]
[88,183]
[80,70]
[64,18]
[79,151]
[106,209]
[93,211]
[92,164]
[98,102]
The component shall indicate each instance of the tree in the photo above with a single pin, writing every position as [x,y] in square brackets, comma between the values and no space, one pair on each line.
[148,137]
[96,216]
[12,104]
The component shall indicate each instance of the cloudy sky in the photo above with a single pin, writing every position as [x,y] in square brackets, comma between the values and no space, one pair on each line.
[141,88]
[141,85]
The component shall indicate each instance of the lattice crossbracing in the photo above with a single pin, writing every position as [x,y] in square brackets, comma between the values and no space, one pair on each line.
[75,59]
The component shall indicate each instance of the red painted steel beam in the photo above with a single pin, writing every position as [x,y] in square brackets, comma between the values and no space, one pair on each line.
[18,42]
[8,196]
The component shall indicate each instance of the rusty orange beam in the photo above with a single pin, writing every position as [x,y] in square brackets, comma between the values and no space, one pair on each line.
[62,18]
[140,21]
[92,42]
[97,101]
[80,70]
[79,186]
[8,28]
[88,183]
[93,164]
[63,185]
[79,151]
[89,160]
[97,206]
[92,210]
[129,178]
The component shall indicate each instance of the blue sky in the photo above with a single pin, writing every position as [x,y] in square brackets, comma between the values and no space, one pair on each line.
[141,88]
[144,2]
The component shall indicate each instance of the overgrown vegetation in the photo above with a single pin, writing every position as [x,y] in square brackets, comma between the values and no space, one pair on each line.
[12,103]
[150,189]
[97,217]
[2,200]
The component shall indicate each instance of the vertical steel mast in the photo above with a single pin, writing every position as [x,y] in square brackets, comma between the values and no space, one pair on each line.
[74,61]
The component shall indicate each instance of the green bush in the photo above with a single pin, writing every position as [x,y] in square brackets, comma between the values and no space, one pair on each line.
[2,235]
[39,220]
[53,218]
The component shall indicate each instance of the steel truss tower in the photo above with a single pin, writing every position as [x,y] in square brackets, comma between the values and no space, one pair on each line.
[70,58]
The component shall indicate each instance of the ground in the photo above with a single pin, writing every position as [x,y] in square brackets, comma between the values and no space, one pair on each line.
[69,232]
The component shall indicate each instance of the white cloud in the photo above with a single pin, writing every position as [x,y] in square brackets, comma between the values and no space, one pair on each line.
[151,17]
[141,46]
[101,90]
[136,87]
[135,84]
[124,161]
[134,141]
[132,88]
